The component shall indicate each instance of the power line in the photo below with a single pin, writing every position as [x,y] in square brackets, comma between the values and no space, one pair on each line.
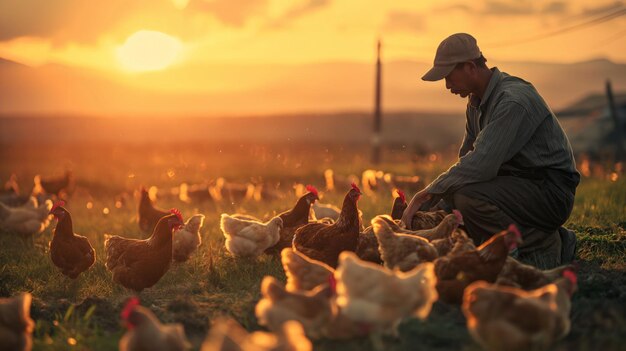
[593,22]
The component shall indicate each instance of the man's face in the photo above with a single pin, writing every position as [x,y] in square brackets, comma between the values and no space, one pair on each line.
[459,81]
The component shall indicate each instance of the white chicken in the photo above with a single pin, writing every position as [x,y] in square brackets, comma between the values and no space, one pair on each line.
[26,220]
[16,326]
[326,211]
[380,298]
[187,239]
[247,237]
[304,273]
[228,335]
[145,332]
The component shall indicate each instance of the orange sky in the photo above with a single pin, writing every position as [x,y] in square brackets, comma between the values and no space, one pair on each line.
[122,38]
[88,33]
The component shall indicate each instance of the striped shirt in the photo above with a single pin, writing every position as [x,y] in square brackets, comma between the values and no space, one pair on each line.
[510,129]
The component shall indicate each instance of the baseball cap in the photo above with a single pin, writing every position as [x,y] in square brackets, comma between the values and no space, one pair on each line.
[457,48]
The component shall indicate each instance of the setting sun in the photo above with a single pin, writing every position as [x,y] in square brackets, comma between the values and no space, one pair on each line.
[148,51]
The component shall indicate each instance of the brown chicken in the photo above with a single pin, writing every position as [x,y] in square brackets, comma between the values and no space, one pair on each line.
[71,252]
[187,239]
[399,205]
[148,214]
[302,272]
[523,276]
[59,186]
[139,264]
[507,318]
[227,335]
[16,326]
[295,218]
[427,220]
[145,332]
[457,242]
[455,272]
[324,242]
[401,251]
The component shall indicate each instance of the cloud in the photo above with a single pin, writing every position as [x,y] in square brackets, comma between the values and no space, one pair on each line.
[555,7]
[297,11]
[509,8]
[405,22]
[68,20]
[602,9]
[231,13]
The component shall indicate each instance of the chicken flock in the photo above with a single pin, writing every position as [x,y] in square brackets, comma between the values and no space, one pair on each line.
[343,279]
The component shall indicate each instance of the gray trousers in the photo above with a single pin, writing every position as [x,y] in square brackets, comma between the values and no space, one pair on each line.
[537,206]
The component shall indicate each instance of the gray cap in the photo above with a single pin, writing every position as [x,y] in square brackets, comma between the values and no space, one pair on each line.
[457,48]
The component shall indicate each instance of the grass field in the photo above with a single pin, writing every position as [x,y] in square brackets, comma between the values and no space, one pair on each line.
[84,314]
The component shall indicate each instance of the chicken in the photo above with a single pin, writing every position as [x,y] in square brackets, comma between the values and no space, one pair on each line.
[401,251]
[232,192]
[187,238]
[367,244]
[295,218]
[139,264]
[456,272]
[507,318]
[324,242]
[380,298]
[457,242]
[302,272]
[523,276]
[249,238]
[148,214]
[442,230]
[16,326]
[11,186]
[71,252]
[227,335]
[399,205]
[427,220]
[26,220]
[314,309]
[59,186]
[326,211]
[145,331]
[277,305]
[193,193]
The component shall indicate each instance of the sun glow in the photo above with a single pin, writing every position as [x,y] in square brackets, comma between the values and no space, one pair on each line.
[149,51]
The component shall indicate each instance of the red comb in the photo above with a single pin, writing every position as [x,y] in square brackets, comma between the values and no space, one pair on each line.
[570,275]
[177,213]
[513,229]
[312,189]
[355,187]
[57,205]
[128,308]
[459,216]
[401,195]
[332,282]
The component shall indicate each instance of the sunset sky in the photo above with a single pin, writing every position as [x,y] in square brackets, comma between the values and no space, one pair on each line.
[124,38]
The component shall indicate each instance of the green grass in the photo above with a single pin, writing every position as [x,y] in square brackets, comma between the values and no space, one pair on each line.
[212,283]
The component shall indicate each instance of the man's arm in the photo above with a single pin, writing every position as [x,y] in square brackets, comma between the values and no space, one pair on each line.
[508,130]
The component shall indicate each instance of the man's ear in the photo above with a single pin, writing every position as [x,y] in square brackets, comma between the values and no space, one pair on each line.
[470,68]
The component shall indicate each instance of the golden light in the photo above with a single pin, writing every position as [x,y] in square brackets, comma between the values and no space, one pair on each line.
[148,50]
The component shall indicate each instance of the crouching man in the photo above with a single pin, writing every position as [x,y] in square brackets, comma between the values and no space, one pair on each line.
[515,164]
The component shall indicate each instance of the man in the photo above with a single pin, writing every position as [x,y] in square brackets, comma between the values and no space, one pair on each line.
[515,163]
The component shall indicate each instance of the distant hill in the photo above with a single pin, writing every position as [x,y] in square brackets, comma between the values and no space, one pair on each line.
[260,89]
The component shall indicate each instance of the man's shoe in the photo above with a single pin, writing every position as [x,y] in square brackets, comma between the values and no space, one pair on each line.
[568,245]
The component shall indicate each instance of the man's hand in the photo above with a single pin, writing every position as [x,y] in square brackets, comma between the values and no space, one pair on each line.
[413,207]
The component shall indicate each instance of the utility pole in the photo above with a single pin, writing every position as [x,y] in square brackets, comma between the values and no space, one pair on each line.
[377,110]
[619,129]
